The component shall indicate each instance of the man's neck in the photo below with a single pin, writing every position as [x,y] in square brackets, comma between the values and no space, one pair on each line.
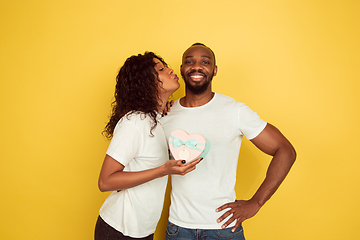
[196,100]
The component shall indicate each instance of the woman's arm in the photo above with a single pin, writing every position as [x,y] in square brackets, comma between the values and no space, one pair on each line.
[113,178]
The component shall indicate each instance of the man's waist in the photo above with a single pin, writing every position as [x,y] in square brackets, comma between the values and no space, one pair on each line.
[197,225]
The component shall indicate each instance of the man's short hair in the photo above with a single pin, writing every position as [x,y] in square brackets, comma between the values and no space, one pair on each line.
[201,44]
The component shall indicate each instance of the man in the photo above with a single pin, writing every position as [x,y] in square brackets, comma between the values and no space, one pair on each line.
[203,202]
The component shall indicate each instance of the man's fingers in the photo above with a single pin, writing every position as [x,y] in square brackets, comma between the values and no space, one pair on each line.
[238,223]
[228,222]
[225,206]
[225,215]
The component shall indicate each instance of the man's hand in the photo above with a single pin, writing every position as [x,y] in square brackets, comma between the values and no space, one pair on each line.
[240,211]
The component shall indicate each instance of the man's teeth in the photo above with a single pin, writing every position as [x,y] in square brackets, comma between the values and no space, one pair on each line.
[196,76]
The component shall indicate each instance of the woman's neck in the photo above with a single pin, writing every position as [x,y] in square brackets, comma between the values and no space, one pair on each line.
[162,103]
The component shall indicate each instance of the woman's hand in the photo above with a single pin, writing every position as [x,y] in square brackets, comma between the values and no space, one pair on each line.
[168,107]
[113,178]
[177,167]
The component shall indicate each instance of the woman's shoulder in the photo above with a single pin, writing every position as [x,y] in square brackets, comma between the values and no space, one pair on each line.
[136,121]
[133,118]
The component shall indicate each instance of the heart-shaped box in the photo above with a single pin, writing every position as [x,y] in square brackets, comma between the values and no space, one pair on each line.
[188,147]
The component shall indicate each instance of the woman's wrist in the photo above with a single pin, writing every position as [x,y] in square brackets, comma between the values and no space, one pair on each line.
[163,171]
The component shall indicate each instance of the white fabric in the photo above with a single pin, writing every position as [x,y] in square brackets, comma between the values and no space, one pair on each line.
[136,211]
[223,121]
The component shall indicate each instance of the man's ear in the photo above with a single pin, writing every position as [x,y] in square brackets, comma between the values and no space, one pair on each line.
[215,70]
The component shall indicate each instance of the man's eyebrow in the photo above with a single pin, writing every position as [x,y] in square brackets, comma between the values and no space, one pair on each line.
[204,56]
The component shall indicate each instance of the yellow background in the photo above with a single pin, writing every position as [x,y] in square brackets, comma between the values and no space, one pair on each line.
[294,62]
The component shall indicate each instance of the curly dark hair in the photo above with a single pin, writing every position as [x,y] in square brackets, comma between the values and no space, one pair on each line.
[136,90]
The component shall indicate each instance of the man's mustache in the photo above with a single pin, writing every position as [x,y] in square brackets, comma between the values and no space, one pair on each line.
[196,71]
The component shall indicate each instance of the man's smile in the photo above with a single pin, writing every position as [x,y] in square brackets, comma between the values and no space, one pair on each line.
[196,77]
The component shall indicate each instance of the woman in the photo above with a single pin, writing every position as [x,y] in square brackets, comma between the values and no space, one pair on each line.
[136,164]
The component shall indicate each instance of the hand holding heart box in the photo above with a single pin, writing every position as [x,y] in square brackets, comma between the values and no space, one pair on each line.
[188,147]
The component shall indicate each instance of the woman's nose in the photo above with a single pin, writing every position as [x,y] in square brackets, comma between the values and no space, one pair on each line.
[171,71]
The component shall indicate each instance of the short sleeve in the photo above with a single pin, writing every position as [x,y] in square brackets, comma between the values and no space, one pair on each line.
[250,123]
[126,143]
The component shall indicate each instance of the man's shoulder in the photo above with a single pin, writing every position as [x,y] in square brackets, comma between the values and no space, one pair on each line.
[225,100]
[223,97]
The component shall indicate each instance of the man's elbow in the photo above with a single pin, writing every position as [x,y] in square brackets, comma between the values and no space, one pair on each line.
[292,154]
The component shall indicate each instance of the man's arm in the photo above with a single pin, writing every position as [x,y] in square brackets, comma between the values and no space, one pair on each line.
[271,142]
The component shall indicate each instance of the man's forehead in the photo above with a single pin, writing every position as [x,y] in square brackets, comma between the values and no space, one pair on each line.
[196,51]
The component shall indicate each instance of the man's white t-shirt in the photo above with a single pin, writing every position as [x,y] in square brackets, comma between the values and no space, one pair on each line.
[223,122]
[136,211]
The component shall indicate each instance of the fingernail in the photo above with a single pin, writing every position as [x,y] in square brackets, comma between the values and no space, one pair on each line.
[183,161]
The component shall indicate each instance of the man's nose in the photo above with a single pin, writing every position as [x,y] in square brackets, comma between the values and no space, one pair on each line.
[197,66]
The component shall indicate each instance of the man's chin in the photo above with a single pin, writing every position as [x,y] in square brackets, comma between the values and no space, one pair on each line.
[197,89]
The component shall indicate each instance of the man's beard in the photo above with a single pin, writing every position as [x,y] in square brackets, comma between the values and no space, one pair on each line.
[197,88]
